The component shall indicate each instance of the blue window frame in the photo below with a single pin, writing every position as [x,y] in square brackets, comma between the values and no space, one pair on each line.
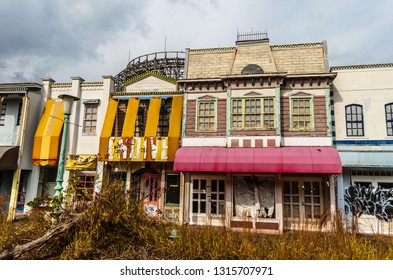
[389,118]
[19,113]
[354,120]
[2,113]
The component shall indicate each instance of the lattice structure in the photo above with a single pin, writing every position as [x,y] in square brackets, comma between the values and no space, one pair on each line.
[170,63]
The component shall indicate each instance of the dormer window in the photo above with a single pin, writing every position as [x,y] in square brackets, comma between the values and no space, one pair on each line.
[252,69]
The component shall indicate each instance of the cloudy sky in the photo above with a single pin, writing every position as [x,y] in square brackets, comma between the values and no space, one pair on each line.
[90,38]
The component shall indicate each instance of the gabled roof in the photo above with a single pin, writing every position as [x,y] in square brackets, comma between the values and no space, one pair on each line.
[149,74]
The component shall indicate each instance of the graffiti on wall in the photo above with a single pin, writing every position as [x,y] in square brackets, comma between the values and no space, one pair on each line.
[369,200]
[138,149]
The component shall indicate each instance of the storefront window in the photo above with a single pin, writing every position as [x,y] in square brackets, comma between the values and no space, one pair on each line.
[254,196]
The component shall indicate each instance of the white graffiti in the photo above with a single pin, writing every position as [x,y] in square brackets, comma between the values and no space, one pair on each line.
[369,200]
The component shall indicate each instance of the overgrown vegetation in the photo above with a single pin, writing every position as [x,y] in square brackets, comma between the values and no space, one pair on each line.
[115,227]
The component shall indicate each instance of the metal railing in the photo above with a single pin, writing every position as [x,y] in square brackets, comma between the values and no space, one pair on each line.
[249,36]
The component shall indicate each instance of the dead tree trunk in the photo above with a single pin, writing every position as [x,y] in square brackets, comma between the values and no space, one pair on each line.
[16,252]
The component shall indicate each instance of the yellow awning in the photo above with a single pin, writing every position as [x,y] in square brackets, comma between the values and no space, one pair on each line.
[82,162]
[107,129]
[47,136]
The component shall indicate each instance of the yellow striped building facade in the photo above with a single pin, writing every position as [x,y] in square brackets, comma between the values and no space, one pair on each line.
[129,138]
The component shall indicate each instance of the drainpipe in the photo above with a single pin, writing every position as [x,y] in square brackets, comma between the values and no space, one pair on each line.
[17,172]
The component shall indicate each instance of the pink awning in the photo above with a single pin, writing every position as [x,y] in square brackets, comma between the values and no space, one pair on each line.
[281,160]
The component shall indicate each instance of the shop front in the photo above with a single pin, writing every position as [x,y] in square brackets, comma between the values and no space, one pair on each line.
[262,189]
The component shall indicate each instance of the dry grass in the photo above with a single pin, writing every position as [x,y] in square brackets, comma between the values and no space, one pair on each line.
[114,227]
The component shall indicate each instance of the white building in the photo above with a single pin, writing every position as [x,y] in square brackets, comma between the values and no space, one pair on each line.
[18,120]
[363,124]
[83,139]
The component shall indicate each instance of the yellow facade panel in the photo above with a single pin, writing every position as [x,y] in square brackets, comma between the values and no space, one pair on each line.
[153,116]
[175,126]
[107,128]
[130,119]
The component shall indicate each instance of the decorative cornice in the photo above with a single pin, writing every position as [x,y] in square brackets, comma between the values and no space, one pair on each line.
[149,74]
[212,49]
[13,89]
[362,66]
[62,85]
[92,83]
[287,46]
[157,93]
[292,46]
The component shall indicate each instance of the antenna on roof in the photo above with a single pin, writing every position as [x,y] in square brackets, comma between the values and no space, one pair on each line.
[165,44]
[129,55]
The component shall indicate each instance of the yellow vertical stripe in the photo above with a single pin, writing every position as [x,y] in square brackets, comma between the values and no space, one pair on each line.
[107,128]
[175,118]
[130,119]
[152,117]
[175,126]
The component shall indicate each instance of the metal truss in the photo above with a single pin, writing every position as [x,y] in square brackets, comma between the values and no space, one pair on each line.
[168,63]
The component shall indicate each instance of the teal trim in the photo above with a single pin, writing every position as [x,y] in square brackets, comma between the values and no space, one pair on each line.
[277,110]
[363,142]
[229,125]
[183,126]
[328,111]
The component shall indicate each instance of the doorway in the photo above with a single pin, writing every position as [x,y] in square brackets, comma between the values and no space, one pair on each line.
[207,200]
[303,200]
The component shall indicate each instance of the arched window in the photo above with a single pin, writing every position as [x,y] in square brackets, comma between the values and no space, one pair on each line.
[389,118]
[252,69]
[354,120]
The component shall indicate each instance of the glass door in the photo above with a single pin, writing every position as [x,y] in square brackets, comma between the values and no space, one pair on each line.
[208,200]
[302,199]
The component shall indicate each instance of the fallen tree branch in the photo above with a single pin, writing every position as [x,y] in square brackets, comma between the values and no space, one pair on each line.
[16,252]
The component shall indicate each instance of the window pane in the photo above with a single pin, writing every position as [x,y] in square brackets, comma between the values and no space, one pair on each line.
[90,118]
[354,120]
[260,197]
[202,207]
[295,211]
[195,184]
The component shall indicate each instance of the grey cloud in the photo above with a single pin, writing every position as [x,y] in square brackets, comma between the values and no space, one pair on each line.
[58,30]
